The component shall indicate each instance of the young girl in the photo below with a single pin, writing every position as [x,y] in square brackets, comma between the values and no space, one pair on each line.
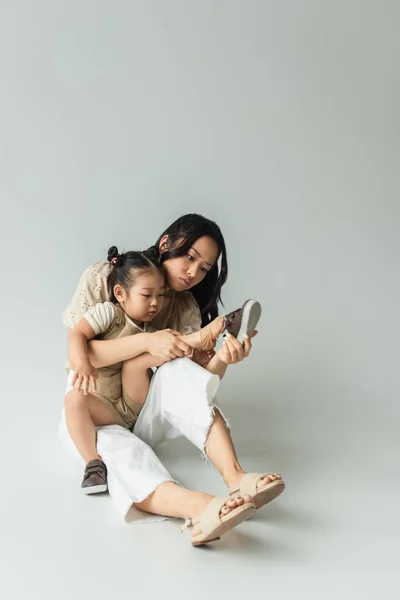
[136,286]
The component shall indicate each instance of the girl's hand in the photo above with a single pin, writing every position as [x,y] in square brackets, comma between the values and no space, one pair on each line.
[85,375]
[233,351]
[166,345]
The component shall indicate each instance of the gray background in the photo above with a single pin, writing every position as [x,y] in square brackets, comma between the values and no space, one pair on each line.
[280,121]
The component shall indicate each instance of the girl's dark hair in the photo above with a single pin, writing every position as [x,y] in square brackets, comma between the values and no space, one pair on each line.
[182,234]
[124,267]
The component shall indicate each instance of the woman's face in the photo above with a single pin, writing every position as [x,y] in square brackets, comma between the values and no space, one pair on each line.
[184,272]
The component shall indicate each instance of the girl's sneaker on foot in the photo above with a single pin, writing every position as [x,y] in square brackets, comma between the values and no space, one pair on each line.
[94,478]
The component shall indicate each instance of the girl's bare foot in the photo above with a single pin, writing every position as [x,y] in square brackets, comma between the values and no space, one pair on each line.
[206,338]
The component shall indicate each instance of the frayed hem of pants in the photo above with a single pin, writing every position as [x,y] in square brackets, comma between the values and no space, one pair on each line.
[213,409]
[134,502]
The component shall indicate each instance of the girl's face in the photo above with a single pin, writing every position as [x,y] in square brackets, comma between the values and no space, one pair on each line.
[184,272]
[145,298]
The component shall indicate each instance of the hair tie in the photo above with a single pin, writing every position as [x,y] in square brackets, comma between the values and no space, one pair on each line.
[114,260]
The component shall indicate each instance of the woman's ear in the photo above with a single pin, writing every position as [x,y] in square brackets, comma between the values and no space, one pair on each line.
[163,244]
[119,293]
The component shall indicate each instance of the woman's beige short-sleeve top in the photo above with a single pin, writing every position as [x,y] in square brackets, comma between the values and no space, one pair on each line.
[180,310]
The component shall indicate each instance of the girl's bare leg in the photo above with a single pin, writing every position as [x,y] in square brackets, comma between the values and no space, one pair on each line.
[171,500]
[82,414]
[136,375]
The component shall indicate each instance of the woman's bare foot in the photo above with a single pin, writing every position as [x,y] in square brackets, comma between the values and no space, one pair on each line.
[260,484]
[268,479]
[225,510]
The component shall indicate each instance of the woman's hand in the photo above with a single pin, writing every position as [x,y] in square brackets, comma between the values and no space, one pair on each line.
[85,374]
[233,351]
[166,345]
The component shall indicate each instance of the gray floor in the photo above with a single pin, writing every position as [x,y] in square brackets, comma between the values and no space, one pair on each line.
[334,533]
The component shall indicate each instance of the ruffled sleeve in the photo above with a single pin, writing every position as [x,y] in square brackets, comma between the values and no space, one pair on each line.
[101,317]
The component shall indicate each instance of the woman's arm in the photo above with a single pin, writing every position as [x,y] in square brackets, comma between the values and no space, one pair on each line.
[103,353]
[231,353]
[164,345]
[216,366]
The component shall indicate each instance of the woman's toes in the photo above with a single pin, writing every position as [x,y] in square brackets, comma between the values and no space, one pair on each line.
[230,505]
[247,498]
[267,479]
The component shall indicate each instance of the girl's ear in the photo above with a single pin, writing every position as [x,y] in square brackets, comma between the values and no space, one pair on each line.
[163,244]
[119,293]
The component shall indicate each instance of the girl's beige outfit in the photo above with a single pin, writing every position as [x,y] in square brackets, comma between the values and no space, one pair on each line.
[109,322]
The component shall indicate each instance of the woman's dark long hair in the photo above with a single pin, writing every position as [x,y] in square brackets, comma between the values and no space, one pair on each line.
[182,234]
